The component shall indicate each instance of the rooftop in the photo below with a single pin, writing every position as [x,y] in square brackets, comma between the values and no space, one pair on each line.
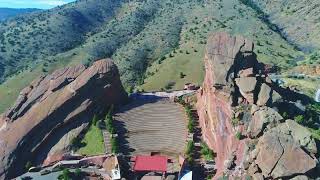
[151,163]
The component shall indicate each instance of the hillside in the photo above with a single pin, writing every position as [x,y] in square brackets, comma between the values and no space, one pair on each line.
[145,38]
[10,12]
[298,20]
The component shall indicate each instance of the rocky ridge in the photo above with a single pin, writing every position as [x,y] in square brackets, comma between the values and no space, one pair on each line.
[53,110]
[240,111]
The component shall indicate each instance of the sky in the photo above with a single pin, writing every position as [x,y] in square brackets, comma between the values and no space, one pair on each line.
[41,4]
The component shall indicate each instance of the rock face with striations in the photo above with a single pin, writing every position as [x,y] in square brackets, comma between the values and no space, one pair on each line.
[53,110]
[238,97]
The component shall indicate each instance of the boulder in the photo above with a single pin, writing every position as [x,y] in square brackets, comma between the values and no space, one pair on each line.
[279,153]
[261,118]
[54,109]
[249,72]
[246,84]
[264,95]
[257,176]
[300,177]
[300,134]
[246,87]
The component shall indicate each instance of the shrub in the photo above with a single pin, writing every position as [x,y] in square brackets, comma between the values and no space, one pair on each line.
[299,119]
[209,177]
[190,126]
[239,135]
[66,175]
[190,147]
[189,152]
[109,120]
[95,120]
[130,89]
[190,117]
[28,165]
[77,172]
[207,152]
[169,85]
[285,115]
[182,75]
[235,121]
[114,145]
[75,142]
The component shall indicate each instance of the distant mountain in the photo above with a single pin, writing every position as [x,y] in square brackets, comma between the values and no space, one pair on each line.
[10,12]
[146,38]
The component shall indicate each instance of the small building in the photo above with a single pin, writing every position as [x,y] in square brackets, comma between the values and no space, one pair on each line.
[190,86]
[149,167]
[150,164]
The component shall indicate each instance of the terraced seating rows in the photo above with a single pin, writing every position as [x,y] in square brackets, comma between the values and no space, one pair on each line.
[152,126]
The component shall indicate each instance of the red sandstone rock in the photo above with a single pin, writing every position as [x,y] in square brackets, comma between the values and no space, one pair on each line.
[232,79]
[53,107]
[214,106]
[281,156]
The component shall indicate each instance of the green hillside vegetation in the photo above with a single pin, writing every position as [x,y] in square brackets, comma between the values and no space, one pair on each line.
[93,143]
[6,13]
[152,42]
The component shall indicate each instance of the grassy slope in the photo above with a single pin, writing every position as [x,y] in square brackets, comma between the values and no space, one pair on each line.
[298,19]
[11,88]
[308,86]
[228,16]
[93,141]
[136,34]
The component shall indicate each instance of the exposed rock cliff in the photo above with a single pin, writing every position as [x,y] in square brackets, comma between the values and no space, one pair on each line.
[53,110]
[238,108]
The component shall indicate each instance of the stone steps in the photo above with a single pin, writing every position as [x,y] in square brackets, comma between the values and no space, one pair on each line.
[107,144]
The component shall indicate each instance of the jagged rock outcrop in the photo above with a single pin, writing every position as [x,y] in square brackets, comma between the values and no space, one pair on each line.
[280,153]
[237,87]
[53,110]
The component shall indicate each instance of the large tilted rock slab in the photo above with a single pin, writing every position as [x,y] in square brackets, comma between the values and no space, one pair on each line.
[238,97]
[221,51]
[280,153]
[214,107]
[52,111]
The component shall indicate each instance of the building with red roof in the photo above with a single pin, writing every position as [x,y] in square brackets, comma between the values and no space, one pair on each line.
[150,164]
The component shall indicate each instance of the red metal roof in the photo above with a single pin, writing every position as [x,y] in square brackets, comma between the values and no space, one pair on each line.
[151,163]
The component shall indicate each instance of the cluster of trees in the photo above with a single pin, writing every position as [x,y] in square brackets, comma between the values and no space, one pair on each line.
[310,118]
[207,152]
[190,152]
[188,108]
[191,122]
[68,175]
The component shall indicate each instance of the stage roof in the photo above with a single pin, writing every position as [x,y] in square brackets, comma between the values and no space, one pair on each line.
[151,163]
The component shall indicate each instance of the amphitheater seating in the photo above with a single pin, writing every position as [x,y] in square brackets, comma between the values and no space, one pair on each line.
[153,126]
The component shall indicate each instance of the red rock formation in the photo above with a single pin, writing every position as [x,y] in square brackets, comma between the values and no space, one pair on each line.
[214,105]
[53,110]
[237,97]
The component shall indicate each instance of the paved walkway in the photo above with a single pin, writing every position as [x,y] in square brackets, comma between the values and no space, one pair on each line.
[159,95]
